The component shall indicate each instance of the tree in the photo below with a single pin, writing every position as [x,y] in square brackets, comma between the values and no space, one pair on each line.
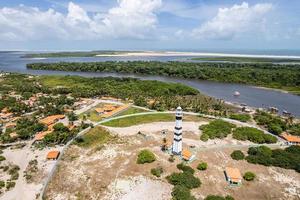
[145,156]
[182,193]
[202,166]
[237,155]
[249,176]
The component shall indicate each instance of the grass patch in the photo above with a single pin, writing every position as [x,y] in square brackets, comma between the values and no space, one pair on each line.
[96,136]
[91,115]
[135,120]
[131,110]
[237,155]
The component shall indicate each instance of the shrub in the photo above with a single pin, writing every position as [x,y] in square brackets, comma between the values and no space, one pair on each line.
[171,158]
[185,179]
[2,158]
[253,135]
[182,193]
[157,171]
[10,184]
[2,184]
[240,117]
[217,129]
[237,155]
[204,137]
[145,156]
[249,176]
[202,166]
[185,168]
[216,197]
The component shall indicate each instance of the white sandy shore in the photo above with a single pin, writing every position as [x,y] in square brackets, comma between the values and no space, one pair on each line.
[172,53]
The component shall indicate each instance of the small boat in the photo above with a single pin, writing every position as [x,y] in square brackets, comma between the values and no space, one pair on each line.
[236,94]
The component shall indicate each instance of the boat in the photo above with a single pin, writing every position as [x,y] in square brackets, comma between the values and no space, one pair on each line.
[236,94]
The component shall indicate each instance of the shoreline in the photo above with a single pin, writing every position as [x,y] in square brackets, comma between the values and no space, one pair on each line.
[173,53]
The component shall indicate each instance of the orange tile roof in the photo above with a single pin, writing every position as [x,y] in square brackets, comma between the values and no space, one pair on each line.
[186,154]
[51,119]
[233,173]
[53,155]
[6,115]
[4,110]
[290,138]
[109,107]
[40,136]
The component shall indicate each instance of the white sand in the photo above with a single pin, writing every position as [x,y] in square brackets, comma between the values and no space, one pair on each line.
[21,157]
[138,188]
[171,53]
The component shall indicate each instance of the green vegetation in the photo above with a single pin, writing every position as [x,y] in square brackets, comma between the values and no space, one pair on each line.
[249,176]
[95,136]
[202,166]
[185,168]
[135,120]
[274,124]
[253,135]
[2,184]
[2,158]
[288,158]
[10,184]
[157,171]
[91,115]
[247,59]
[131,110]
[182,193]
[60,135]
[183,182]
[216,129]
[237,155]
[14,172]
[145,156]
[262,74]
[240,117]
[295,129]
[216,197]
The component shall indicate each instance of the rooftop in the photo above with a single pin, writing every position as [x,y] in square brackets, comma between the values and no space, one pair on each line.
[53,155]
[290,138]
[233,173]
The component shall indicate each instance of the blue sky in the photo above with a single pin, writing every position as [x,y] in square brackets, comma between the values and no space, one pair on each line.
[149,24]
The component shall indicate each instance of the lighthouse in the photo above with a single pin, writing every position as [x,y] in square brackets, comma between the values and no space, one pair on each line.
[177,141]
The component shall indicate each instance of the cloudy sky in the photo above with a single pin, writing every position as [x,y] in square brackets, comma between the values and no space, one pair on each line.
[149,24]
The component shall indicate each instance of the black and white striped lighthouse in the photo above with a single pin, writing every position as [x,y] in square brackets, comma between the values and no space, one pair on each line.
[177,141]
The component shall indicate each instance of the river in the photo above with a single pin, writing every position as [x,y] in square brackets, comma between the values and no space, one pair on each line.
[252,96]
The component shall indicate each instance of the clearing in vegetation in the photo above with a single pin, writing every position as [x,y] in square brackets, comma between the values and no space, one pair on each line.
[135,120]
[96,136]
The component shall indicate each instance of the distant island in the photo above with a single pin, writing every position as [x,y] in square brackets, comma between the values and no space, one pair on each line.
[285,77]
[73,54]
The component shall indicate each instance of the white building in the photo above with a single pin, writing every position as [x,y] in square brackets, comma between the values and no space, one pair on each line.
[177,141]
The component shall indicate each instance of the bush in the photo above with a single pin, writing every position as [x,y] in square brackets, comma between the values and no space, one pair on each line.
[288,158]
[10,184]
[217,129]
[237,155]
[2,184]
[204,137]
[145,156]
[253,135]
[249,176]
[185,179]
[185,168]
[2,158]
[171,158]
[202,166]
[182,193]
[157,171]
[240,117]
[216,197]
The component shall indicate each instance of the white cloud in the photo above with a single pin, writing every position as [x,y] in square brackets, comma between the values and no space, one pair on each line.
[229,22]
[130,19]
